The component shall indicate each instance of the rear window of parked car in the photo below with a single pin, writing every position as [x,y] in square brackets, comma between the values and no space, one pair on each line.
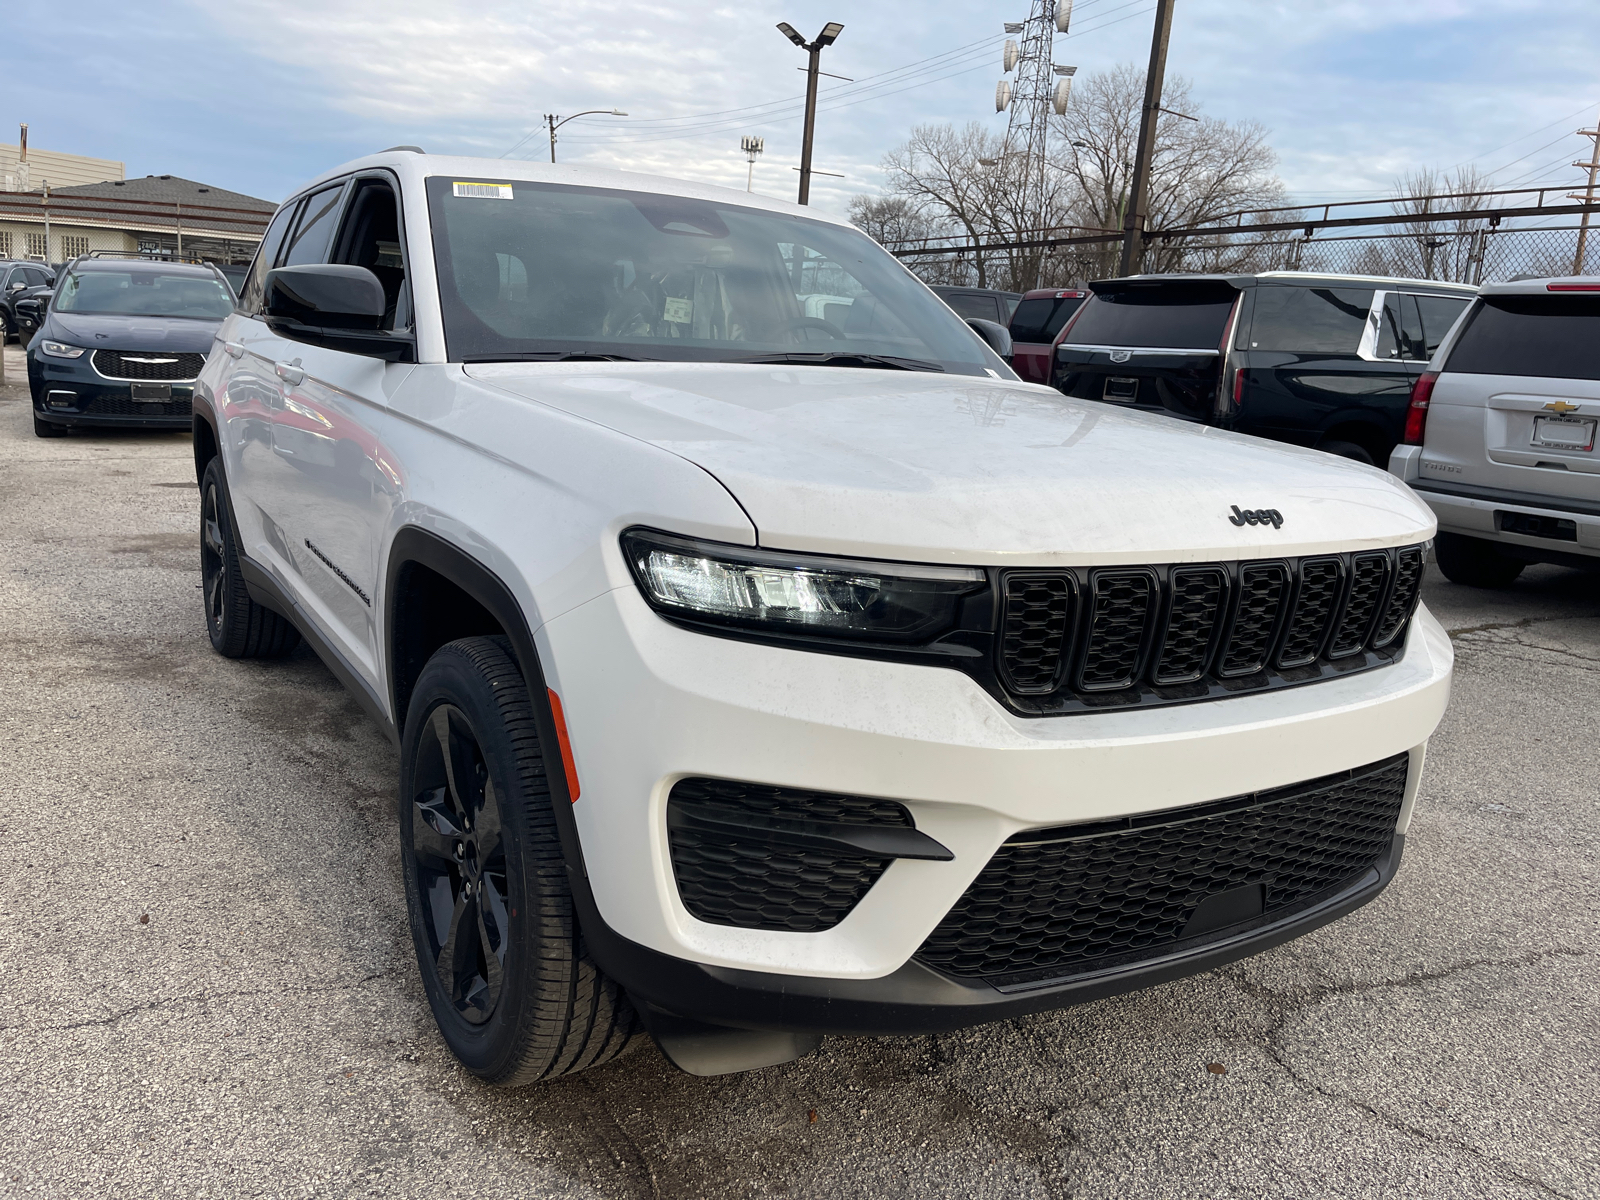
[1041,319]
[1175,316]
[1553,337]
[1301,320]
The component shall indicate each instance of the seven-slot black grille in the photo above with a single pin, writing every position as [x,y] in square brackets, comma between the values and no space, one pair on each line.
[751,878]
[1096,637]
[153,364]
[1080,898]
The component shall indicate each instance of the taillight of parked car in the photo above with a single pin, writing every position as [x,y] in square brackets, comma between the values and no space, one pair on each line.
[1417,411]
[1238,388]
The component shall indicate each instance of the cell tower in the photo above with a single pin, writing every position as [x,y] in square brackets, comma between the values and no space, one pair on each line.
[1037,88]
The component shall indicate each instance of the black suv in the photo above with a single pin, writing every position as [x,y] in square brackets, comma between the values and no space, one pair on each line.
[122,343]
[984,304]
[1317,360]
[15,279]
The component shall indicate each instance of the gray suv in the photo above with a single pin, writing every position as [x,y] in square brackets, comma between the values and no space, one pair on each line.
[1500,433]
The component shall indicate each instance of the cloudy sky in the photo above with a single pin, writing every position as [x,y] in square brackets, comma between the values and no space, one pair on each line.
[259,96]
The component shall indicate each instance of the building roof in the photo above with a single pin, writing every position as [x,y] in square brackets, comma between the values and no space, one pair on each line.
[155,203]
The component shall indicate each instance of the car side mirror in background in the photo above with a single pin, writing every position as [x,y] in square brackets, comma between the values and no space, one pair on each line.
[333,305]
[994,334]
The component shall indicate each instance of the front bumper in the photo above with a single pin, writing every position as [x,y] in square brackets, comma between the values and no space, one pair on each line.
[71,392]
[648,703]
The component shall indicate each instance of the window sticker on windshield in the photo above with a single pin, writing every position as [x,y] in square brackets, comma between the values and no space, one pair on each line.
[677,310]
[483,191]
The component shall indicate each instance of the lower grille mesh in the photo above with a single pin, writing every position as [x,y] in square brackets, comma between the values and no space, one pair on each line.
[1055,902]
[757,882]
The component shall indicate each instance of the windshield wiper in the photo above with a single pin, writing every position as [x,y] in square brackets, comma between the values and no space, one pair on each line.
[553,356]
[839,358]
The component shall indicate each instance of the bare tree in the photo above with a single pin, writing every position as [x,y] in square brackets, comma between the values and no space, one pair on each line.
[968,187]
[1440,249]
[1201,170]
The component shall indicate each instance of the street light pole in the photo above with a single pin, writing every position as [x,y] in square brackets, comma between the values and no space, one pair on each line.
[830,33]
[557,122]
[1138,209]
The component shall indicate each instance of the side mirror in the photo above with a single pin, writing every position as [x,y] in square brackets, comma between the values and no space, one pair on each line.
[995,335]
[324,296]
[334,305]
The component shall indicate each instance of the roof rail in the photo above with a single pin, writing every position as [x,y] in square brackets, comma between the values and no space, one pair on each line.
[395,149]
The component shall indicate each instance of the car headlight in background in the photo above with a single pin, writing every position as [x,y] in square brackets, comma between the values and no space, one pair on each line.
[61,350]
[796,593]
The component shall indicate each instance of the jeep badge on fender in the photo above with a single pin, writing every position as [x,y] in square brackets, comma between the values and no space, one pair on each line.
[1257,516]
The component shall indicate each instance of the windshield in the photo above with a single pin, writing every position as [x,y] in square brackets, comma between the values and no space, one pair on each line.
[532,270]
[1173,316]
[144,294]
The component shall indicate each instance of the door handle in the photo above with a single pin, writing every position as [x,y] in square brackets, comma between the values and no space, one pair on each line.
[233,349]
[290,373]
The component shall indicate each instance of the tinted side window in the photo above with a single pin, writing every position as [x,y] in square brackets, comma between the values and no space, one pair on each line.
[1439,313]
[985,308]
[1299,320]
[35,277]
[1553,337]
[1400,334]
[266,259]
[309,243]
[1040,320]
[370,237]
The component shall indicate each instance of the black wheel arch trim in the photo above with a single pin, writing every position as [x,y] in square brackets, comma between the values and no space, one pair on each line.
[413,544]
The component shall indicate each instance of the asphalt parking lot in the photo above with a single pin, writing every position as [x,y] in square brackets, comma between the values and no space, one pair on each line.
[207,988]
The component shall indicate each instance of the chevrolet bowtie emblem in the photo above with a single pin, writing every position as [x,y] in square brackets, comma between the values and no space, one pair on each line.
[1561,406]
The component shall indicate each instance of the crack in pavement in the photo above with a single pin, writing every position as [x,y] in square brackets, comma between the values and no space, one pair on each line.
[1288,1007]
[204,998]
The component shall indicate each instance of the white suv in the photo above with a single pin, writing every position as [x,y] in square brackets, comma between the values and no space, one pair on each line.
[757,674]
[1500,436]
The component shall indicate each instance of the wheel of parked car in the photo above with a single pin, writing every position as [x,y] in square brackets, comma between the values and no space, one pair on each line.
[1347,450]
[511,986]
[42,428]
[1474,562]
[239,627]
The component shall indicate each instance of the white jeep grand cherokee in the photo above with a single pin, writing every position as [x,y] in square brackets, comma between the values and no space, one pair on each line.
[765,659]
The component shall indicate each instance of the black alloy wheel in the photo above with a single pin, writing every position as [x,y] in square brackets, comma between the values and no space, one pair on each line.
[237,625]
[459,852]
[508,977]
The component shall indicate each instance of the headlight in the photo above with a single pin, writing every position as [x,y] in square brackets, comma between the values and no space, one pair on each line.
[60,350]
[796,593]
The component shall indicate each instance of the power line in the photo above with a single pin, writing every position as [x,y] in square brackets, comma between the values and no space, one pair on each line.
[1522,137]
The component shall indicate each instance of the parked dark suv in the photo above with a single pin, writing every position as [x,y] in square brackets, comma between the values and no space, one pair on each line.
[1317,360]
[17,278]
[122,343]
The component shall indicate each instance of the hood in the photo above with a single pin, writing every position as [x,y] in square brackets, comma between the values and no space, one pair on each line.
[182,335]
[944,468]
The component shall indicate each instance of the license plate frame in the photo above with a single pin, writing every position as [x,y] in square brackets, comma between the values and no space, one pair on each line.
[1581,439]
[152,393]
[1129,382]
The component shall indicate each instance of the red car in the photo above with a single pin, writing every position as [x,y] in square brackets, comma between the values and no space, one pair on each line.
[1035,325]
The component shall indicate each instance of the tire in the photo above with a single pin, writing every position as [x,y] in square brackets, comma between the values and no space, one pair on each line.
[519,1000]
[43,428]
[1348,450]
[239,627]
[1474,562]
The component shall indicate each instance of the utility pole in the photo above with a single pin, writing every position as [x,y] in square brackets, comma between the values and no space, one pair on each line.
[1593,165]
[830,33]
[46,202]
[1139,208]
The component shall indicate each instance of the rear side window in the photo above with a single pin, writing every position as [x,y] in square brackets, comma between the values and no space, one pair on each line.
[1169,315]
[1439,313]
[985,308]
[1553,337]
[1041,319]
[310,241]
[1299,320]
[266,259]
